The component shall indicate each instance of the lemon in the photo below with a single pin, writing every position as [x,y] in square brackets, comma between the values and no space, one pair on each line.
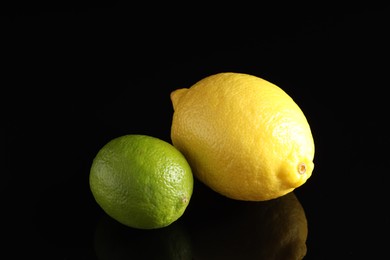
[141,181]
[243,136]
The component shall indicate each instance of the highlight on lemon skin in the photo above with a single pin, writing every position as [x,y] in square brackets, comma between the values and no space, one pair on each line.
[243,136]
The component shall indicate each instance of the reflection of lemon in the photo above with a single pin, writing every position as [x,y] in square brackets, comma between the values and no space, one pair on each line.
[141,181]
[232,229]
[243,136]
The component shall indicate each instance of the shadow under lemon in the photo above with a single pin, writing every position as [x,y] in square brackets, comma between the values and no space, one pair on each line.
[114,241]
[222,228]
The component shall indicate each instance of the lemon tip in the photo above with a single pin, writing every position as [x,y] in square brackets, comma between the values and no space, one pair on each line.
[302,168]
[176,96]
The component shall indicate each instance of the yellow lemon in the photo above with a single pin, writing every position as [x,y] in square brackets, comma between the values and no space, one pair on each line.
[243,136]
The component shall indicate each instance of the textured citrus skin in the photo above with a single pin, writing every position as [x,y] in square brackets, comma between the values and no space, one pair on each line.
[141,181]
[243,136]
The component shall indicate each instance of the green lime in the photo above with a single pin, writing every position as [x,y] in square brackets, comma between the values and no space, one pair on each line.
[141,181]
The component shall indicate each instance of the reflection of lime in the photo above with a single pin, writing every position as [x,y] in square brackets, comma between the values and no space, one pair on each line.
[243,136]
[141,181]
[231,229]
[116,242]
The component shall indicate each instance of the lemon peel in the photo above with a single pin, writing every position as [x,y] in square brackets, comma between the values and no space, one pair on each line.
[243,136]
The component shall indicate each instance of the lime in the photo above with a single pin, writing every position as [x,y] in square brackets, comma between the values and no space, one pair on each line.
[141,181]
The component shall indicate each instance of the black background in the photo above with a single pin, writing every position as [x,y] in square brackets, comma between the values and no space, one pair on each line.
[76,76]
